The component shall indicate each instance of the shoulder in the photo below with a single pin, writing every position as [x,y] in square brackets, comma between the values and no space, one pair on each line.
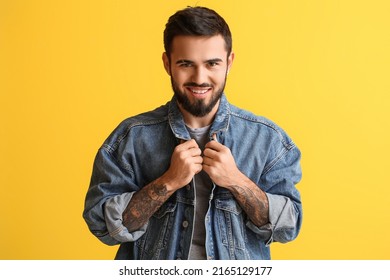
[263,125]
[152,117]
[146,119]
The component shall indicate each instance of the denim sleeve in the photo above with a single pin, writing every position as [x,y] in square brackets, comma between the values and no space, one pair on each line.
[282,218]
[285,208]
[111,188]
[114,207]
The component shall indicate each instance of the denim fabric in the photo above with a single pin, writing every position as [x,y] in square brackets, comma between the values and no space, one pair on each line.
[139,150]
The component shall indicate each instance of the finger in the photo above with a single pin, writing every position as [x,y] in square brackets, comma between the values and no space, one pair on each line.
[198,160]
[190,157]
[191,144]
[208,169]
[215,137]
[185,145]
[200,168]
[214,145]
[194,152]
[207,161]
[210,153]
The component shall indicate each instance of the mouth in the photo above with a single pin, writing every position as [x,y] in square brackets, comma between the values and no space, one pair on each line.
[199,92]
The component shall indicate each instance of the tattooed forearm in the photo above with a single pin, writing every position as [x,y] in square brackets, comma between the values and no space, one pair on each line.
[254,202]
[143,205]
[158,192]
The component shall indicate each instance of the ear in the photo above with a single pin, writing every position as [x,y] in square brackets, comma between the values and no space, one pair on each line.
[166,63]
[230,61]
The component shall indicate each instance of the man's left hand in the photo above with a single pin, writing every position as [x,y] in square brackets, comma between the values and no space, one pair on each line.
[219,164]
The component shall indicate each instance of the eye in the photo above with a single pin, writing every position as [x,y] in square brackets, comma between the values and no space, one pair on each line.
[185,64]
[213,63]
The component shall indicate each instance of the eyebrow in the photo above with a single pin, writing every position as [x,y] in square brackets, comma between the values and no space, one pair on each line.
[214,60]
[180,61]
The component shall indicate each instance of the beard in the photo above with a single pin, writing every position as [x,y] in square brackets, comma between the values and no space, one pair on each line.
[197,108]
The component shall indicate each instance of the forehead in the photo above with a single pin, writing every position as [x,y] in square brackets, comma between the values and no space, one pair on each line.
[199,47]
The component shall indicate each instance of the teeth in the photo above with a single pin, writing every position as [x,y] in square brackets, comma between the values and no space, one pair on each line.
[199,91]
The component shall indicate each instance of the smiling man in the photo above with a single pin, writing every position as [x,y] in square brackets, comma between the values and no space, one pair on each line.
[198,67]
[197,178]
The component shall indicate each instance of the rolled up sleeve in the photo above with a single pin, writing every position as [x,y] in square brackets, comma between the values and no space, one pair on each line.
[282,221]
[112,187]
[285,208]
[114,208]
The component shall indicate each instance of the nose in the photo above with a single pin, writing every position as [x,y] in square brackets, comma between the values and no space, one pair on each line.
[199,75]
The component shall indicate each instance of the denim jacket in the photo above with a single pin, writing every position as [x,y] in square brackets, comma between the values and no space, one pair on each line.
[139,151]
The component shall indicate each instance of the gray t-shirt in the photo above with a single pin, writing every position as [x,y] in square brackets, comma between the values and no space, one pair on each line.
[203,185]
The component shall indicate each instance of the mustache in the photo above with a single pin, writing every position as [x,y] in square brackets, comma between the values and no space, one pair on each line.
[191,84]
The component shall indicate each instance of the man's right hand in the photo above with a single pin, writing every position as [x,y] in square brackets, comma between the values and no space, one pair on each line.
[186,161]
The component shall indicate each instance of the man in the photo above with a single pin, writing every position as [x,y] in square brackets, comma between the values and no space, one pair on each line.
[197,178]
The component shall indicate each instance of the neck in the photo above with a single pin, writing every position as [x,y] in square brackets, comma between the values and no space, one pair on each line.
[198,122]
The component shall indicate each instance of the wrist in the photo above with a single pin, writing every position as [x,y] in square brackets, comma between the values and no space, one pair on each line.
[169,182]
[238,180]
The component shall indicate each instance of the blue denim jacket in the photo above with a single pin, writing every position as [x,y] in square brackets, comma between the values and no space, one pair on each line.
[139,150]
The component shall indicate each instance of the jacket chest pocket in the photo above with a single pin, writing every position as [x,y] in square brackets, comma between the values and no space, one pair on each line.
[155,239]
[230,221]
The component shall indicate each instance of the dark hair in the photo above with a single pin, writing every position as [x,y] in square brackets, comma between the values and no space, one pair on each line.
[196,21]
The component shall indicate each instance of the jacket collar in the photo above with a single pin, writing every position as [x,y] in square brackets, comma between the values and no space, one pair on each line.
[219,125]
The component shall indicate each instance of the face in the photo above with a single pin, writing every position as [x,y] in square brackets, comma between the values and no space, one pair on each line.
[198,67]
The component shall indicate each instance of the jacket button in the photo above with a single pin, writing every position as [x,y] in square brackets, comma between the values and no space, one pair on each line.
[188,187]
[185,224]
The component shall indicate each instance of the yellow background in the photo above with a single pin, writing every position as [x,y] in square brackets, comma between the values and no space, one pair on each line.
[70,71]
